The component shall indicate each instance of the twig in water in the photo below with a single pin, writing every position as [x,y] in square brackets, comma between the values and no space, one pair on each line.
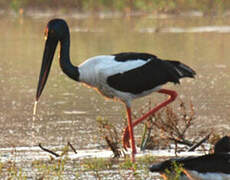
[113,147]
[71,146]
[199,143]
[176,148]
[109,133]
[49,151]
[185,142]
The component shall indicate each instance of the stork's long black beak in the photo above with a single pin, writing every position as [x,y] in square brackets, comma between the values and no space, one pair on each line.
[50,47]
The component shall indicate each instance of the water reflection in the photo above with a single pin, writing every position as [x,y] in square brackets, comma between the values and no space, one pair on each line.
[67,110]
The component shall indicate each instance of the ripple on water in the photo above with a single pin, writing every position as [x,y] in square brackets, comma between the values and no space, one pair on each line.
[74,112]
[198,29]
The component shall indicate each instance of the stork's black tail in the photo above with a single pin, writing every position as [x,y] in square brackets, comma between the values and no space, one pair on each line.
[180,70]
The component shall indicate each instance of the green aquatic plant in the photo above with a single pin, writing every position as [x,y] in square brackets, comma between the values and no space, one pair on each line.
[10,170]
[175,172]
[51,168]
[63,167]
[96,164]
[170,6]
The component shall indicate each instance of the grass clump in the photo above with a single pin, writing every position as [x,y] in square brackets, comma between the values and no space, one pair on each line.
[97,164]
[175,172]
[170,125]
[162,129]
[52,168]
[10,170]
[110,134]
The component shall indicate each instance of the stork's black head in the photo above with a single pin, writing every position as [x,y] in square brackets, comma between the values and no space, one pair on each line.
[56,30]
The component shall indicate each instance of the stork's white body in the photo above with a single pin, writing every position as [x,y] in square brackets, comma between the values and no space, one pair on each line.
[95,71]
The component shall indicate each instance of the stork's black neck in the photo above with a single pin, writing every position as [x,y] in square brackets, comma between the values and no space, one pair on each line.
[67,67]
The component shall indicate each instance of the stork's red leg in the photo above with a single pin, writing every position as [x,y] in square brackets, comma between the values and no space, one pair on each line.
[130,131]
[172,97]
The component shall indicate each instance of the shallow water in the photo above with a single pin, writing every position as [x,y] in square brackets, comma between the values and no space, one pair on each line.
[67,111]
[27,160]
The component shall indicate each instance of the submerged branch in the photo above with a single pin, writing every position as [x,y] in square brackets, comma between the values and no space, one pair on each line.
[199,143]
[49,151]
[71,146]
[113,147]
[55,154]
[185,142]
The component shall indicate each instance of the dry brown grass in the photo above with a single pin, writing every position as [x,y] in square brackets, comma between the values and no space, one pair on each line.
[167,126]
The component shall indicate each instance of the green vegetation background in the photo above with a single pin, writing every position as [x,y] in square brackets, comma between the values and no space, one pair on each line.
[171,6]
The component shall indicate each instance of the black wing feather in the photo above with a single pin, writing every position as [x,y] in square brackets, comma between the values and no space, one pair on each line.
[206,164]
[152,74]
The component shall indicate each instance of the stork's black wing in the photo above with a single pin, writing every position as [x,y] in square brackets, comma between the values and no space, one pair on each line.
[153,73]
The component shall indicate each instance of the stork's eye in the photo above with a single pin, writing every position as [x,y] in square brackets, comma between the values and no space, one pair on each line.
[51,33]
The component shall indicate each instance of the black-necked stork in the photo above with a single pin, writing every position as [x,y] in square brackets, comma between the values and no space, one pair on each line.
[122,76]
[214,166]
[207,167]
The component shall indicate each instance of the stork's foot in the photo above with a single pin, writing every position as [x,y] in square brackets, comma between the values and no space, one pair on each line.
[125,139]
